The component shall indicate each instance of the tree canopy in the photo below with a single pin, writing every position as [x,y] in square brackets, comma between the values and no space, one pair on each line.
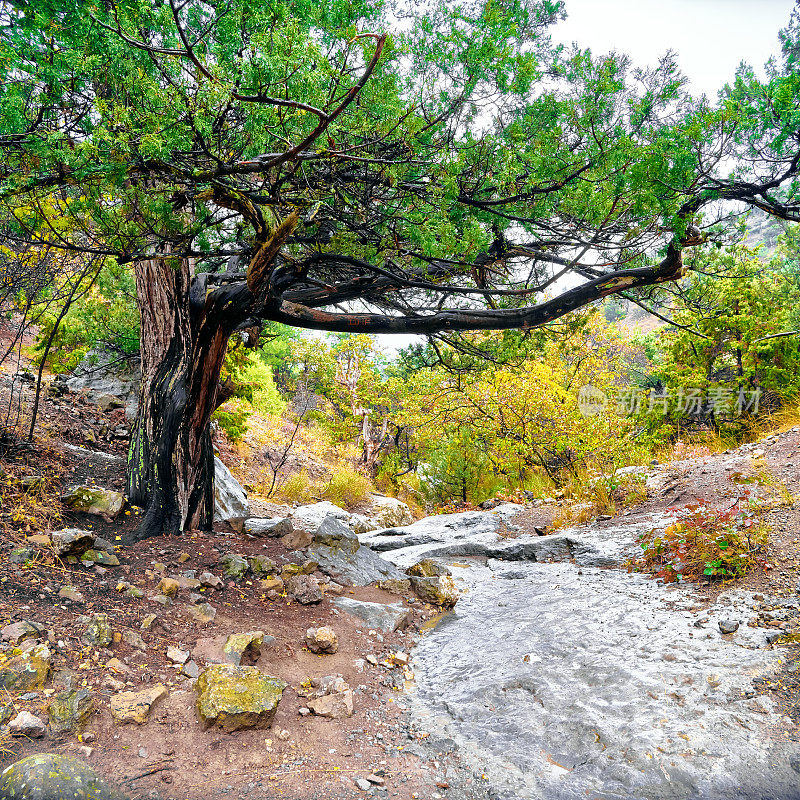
[459,164]
[295,162]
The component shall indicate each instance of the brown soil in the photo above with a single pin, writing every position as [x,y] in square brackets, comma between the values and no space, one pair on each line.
[172,756]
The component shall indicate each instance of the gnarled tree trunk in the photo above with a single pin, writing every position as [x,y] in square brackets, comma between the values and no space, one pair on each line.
[171,459]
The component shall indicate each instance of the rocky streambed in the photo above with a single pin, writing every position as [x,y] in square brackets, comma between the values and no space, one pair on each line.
[561,675]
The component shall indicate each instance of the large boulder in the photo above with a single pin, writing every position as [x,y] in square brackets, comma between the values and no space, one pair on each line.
[230,498]
[309,518]
[94,500]
[48,776]
[340,555]
[101,376]
[388,512]
[377,616]
[237,697]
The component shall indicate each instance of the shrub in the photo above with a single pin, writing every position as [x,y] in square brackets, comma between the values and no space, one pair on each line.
[347,487]
[705,542]
[232,419]
[298,489]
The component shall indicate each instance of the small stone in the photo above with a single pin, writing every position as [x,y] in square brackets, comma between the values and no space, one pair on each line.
[401,658]
[202,612]
[21,555]
[272,584]
[18,632]
[284,735]
[376,779]
[136,706]
[371,659]
[168,587]
[100,557]
[183,558]
[26,671]
[41,540]
[134,640]
[210,581]
[333,706]
[303,711]
[98,632]
[70,711]
[72,594]
[161,599]
[322,640]
[190,669]
[728,626]
[234,566]
[261,565]
[243,647]
[363,784]
[72,542]
[26,724]
[177,656]
[304,589]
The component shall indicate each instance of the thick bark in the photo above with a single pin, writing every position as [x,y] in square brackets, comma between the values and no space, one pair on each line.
[171,459]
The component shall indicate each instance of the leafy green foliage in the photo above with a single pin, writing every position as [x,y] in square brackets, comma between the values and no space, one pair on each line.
[730,307]
[106,318]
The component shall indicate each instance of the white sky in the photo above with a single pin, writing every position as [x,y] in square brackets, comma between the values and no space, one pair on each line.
[710,37]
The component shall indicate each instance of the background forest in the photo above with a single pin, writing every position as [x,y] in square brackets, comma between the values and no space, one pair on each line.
[461,420]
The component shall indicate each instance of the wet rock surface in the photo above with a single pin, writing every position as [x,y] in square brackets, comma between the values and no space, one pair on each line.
[633,700]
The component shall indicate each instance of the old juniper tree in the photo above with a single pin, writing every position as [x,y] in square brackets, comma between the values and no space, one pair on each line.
[332,165]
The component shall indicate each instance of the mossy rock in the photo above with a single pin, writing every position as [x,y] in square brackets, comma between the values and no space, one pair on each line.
[241,646]
[70,710]
[261,565]
[48,776]
[438,591]
[235,698]
[94,500]
[234,566]
[26,671]
[427,568]
[98,632]
[100,557]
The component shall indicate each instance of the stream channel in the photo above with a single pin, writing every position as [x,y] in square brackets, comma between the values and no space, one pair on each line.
[561,675]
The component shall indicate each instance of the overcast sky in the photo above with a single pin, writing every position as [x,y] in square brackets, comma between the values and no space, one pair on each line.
[710,37]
